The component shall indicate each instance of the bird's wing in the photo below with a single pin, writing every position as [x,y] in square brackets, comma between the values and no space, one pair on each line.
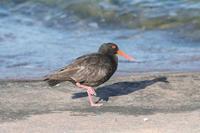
[85,68]
[93,68]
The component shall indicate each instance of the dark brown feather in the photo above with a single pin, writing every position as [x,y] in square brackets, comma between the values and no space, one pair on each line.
[53,82]
[92,69]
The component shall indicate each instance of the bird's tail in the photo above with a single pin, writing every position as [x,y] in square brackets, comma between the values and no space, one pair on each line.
[52,82]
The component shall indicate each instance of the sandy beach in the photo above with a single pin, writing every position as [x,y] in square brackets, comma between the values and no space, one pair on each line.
[140,103]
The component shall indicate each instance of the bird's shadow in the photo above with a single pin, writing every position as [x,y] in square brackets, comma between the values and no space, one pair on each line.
[121,88]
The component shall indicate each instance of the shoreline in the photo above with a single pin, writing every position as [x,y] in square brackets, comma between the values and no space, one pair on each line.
[116,74]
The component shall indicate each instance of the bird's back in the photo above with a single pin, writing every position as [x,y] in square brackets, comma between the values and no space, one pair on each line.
[92,69]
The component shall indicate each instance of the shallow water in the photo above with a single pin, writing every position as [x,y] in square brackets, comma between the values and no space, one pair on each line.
[36,39]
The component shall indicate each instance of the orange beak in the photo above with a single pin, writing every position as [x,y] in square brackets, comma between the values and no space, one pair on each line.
[119,52]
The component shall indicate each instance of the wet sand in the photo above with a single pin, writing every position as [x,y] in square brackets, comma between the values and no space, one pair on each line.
[145,103]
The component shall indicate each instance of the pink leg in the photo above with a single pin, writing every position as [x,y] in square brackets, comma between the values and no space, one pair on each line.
[89,89]
[90,92]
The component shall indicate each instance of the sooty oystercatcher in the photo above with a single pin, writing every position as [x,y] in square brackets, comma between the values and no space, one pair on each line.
[90,70]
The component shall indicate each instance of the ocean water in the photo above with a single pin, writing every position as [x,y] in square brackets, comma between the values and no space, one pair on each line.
[38,37]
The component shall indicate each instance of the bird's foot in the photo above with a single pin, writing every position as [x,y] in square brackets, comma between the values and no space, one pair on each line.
[96,104]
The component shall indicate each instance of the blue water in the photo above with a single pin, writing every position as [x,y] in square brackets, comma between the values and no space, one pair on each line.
[36,39]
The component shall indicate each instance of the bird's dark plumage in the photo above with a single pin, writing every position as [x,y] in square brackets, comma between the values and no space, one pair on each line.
[52,82]
[92,69]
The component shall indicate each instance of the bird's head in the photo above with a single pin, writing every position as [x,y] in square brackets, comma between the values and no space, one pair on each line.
[112,49]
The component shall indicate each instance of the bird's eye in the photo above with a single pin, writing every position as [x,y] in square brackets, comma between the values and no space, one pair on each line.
[113,46]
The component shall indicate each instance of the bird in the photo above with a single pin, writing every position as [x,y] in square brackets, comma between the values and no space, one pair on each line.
[90,70]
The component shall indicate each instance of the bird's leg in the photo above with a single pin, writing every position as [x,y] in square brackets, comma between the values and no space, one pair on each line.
[89,89]
[91,101]
[90,92]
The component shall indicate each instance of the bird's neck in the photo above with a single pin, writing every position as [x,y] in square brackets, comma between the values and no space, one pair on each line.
[114,58]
